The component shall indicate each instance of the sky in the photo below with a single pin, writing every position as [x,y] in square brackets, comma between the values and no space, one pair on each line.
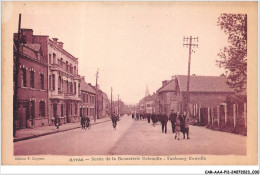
[133,45]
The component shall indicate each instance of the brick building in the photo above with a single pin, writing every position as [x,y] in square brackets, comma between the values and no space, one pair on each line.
[167,97]
[205,91]
[62,77]
[32,89]
[88,95]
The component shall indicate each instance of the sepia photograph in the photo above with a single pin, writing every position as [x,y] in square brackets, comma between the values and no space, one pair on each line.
[129,83]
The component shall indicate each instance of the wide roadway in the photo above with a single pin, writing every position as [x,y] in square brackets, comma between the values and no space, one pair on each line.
[132,138]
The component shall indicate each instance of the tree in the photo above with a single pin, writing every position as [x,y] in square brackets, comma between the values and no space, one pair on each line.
[234,57]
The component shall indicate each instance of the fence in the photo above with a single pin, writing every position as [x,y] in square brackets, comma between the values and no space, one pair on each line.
[228,117]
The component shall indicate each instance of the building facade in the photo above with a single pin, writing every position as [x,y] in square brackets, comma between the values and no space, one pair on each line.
[64,83]
[205,91]
[32,86]
[87,104]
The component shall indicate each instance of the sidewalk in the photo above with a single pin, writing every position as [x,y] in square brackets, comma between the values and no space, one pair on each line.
[25,134]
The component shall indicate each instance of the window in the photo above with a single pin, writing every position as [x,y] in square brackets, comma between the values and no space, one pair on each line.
[71,88]
[71,68]
[53,82]
[75,71]
[76,109]
[59,84]
[67,66]
[32,79]
[83,98]
[67,83]
[42,109]
[61,110]
[24,77]
[87,112]
[49,58]
[42,81]
[54,58]
[75,88]
[49,82]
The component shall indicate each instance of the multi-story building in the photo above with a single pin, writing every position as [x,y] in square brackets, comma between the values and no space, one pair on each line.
[32,84]
[64,83]
[88,95]
[62,76]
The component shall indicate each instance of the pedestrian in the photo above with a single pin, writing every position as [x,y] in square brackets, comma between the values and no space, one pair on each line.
[57,121]
[177,127]
[133,116]
[185,125]
[149,117]
[114,119]
[82,122]
[87,122]
[172,118]
[164,120]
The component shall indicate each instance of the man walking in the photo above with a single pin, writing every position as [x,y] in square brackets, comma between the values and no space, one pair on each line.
[172,118]
[164,120]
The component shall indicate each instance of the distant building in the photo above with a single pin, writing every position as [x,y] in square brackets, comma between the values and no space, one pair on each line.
[88,95]
[167,97]
[32,84]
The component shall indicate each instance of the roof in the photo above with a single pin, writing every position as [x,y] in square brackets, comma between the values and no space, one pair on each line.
[85,87]
[204,83]
[169,87]
[35,47]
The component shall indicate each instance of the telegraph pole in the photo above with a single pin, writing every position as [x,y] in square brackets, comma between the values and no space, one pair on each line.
[188,43]
[111,101]
[95,118]
[16,71]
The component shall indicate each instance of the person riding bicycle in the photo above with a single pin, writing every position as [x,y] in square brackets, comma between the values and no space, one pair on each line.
[114,120]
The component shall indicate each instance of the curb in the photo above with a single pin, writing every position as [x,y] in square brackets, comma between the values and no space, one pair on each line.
[52,132]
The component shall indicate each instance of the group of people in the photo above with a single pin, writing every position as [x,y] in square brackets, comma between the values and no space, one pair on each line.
[85,122]
[179,122]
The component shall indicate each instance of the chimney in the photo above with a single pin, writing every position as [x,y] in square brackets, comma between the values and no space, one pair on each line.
[60,44]
[173,77]
[55,40]
[193,75]
[28,35]
[164,82]
[82,78]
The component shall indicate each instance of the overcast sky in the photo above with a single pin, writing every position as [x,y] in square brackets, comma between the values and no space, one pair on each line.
[132,44]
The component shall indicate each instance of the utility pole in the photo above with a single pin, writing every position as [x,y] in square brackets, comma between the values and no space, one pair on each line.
[16,62]
[187,41]
[95,118]
[111,102]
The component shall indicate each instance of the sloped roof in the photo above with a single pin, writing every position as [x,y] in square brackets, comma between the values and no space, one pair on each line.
[35,47]
[170,87]
[203,83]
[85,87]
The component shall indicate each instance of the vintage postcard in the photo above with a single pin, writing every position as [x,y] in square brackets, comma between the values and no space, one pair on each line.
[129,83]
